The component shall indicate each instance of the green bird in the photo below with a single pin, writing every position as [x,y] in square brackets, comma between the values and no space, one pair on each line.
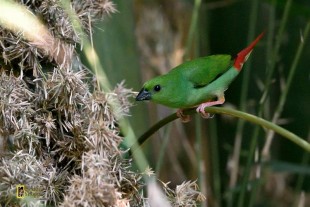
[197,83]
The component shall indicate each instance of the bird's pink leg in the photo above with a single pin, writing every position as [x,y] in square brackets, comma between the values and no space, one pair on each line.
[184,118]
[201,108]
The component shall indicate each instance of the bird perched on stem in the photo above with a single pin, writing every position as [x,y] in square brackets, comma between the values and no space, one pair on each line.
[197,83]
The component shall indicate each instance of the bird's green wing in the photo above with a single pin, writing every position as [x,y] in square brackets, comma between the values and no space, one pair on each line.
[203,71]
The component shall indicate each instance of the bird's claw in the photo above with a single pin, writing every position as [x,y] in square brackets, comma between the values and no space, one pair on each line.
[201,110]
[184,118]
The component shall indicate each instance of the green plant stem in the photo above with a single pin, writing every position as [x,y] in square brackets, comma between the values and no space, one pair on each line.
[166,139]
[243,101]
[215,161]
[274,58]
[193,27]
[301,177]
[198,149]
[284,93]
[89,51]
[264,98]
[227,111]
[247,171]
[190,44]
[279,108]
[103,80]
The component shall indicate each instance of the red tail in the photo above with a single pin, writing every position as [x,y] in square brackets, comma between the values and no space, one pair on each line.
[243,55]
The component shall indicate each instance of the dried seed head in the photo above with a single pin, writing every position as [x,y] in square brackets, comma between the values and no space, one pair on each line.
[27,40]
[186,194]
[39,179]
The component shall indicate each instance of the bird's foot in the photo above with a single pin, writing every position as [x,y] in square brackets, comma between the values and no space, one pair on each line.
[201,108]
[184,118]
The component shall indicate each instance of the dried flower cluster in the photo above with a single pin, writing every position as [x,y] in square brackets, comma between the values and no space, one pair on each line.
[186,194]
[59,135]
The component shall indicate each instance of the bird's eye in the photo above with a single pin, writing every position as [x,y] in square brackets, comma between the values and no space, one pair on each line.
[157,88]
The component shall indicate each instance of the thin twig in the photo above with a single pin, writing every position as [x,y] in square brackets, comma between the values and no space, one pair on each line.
[227,111]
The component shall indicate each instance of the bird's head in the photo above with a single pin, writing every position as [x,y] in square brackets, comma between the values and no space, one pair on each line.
[165,89]
[153,90]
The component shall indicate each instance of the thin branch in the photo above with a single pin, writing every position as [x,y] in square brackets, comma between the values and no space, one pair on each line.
[227,111]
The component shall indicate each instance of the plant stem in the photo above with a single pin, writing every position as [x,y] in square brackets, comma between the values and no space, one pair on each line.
[284,93]
[165,141]
[215,161]
[227,111]
[301,177]
[243,101]
[193,26]
[89,51]
[274,58]
[247,171]
[94,61]
[264,98]
[198,149]
[193,31]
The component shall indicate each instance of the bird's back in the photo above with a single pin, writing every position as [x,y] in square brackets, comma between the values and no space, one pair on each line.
[202,71]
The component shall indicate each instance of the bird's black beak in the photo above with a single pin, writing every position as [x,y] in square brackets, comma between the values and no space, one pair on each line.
[143,95]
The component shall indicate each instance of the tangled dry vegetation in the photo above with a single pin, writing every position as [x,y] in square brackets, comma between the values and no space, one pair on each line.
[58,132]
